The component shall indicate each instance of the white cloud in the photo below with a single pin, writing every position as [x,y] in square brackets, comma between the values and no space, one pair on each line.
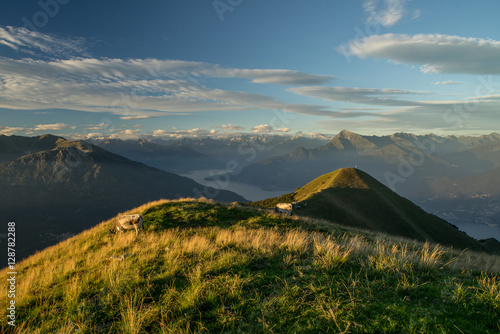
[478,112]
[384,97]
[266,128]
[48,127]
[93,135]
[449,82]
[196,130]
[160,133]
[231,127]
[10,130]
[136,117]
[126,134]
[263,128]
[385,12]
[194,133]
[281,77]
[33,42]
[132,88]
[434,53]
[481,115]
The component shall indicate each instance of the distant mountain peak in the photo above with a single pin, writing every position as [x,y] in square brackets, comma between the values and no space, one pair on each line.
[49,136]
[403,135]
[347,140]
[347,134]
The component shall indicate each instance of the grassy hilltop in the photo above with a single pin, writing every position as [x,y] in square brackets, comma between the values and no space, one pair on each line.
[351,197]
[202,267]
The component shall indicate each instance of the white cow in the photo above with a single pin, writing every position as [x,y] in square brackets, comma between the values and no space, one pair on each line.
[127,222]
[284,208]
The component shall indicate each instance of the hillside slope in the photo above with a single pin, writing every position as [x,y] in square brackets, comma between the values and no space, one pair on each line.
[67,186]
[351,197]
[202,267]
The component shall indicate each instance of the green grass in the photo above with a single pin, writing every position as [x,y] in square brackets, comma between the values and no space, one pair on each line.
[353,198]
[202,267]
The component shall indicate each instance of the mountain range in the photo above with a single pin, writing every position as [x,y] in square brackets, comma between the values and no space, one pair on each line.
[245,149]
[55,187]
[52,187]
[406,156]
[420,168]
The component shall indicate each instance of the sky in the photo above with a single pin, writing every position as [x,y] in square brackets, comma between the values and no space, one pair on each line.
[192,68]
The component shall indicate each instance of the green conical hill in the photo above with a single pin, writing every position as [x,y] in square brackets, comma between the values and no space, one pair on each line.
[351,197]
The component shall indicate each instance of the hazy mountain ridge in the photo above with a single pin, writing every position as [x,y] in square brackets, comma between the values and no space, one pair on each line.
[473,199]
[484,184]
[247,149]
[433,157]
[71,185]
[170,158]
[404,162]
[372,153]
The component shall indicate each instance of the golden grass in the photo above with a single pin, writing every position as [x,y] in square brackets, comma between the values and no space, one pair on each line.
[88,259]
[65,258]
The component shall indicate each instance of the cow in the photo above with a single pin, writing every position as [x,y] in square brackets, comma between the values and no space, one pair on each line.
[127,222]
[284,208]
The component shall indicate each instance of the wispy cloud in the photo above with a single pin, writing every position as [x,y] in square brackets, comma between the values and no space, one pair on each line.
[135,88]
[371,96]
[40,44]
[127,118]
[422,119]
[385,12]
[281,77]
[434,53]
[398,113]
[449,82]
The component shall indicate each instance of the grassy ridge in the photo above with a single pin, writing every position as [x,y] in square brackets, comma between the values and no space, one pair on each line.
[203,267]
[351,197]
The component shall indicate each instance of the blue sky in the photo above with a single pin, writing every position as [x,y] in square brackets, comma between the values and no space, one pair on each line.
[168,69]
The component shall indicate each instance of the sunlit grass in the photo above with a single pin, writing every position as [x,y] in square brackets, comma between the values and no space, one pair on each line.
[203,267]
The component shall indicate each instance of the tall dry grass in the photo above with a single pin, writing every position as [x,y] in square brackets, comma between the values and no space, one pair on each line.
[91,261]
